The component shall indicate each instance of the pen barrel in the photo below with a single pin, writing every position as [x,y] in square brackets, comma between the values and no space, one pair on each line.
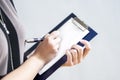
[32,40]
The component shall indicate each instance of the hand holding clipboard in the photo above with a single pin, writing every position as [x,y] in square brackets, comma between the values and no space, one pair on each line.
[72,29]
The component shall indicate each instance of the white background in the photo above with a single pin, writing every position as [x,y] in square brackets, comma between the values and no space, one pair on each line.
[103,61]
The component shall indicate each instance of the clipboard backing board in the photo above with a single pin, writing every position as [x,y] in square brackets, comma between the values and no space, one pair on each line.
[72,30]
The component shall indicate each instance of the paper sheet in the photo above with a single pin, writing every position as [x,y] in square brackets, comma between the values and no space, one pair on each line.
[70,34]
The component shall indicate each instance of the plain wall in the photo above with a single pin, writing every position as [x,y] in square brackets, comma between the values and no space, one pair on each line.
[103,61]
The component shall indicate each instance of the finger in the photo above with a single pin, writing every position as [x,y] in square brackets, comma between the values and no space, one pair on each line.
[74,56]
[79,50]
[56,43]
[47,35]
[69,59]
[86,43]
[87,47]
[57,47]
[57,40]
[54,34]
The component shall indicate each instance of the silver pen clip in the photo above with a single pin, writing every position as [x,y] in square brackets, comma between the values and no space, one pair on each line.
[33,40]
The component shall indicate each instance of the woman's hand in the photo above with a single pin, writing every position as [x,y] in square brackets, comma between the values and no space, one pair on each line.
[77,53]
[48,48]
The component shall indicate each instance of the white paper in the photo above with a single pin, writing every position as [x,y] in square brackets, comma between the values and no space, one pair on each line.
[70,34]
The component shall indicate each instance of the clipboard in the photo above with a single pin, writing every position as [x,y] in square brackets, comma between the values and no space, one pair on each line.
[72,28]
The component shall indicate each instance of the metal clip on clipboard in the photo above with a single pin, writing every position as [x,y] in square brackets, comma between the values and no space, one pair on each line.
[80,24]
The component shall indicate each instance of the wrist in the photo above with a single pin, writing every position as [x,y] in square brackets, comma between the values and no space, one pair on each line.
[38,59]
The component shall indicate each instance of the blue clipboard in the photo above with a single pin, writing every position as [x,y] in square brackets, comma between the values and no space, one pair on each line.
[91,34]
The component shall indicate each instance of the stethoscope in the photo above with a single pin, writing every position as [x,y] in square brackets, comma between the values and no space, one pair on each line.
[7,31]
[2,22]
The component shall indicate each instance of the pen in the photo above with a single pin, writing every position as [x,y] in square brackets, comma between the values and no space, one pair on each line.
[33,40]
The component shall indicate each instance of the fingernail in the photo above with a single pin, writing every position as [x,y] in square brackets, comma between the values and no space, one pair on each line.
[82,40]
[58,32]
